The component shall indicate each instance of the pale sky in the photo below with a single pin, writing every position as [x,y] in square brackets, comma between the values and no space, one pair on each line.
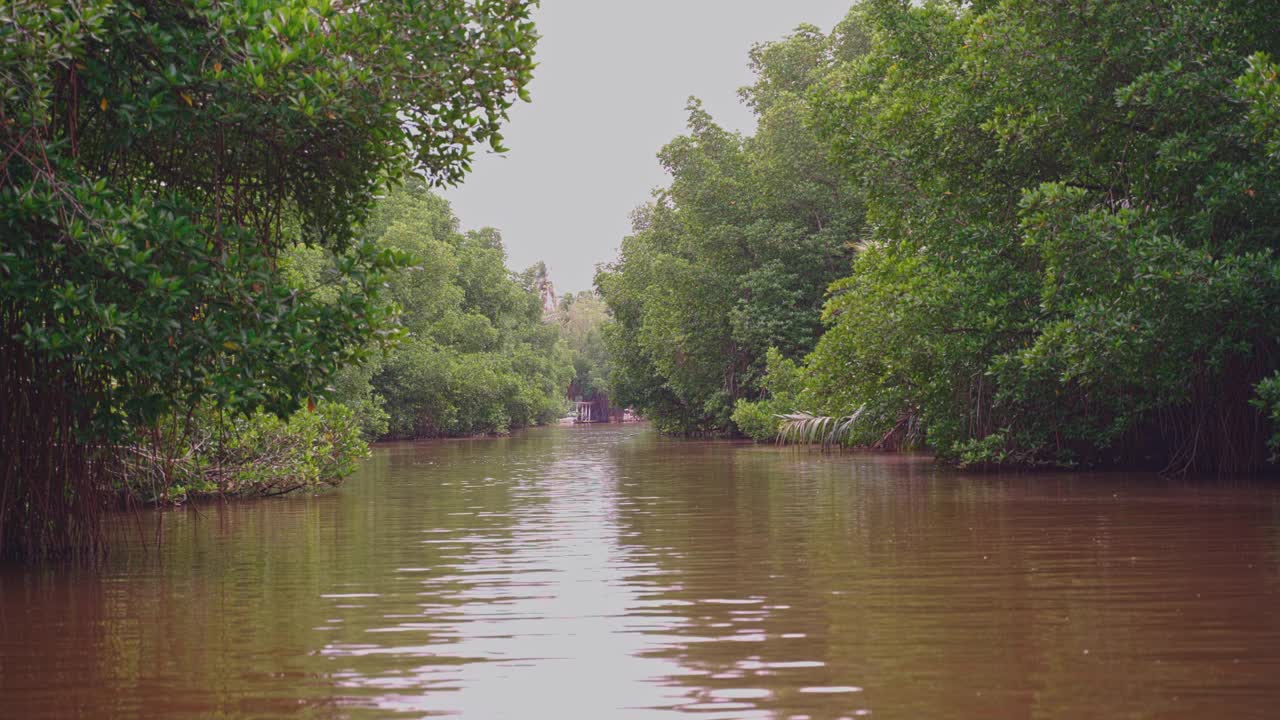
[609,91]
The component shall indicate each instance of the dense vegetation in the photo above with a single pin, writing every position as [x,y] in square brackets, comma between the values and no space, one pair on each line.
[583,318]
[156,159]
[1066,218]
[735,256]
[476,357]
[214,452]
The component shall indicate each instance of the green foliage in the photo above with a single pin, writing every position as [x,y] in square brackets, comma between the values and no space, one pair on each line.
[1074,219]
[476,358]
[271,456]
[1066,214]
[583,319]
[159,157]
[1260,90]
[216,453]
[156,159]
[784,393]
[733,258]
[1268,401]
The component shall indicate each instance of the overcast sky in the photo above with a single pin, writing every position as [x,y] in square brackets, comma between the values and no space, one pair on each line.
[608,93]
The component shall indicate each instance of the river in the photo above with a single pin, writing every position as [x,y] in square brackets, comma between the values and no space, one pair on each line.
[605,572]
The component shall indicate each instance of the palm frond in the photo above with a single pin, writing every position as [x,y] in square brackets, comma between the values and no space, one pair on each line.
[806,428]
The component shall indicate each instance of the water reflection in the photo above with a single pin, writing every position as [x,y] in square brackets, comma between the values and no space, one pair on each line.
[539,609]
[607,573]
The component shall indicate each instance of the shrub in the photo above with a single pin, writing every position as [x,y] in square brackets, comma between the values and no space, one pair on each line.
[217,453]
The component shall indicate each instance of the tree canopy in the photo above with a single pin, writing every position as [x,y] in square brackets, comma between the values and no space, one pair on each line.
[476,356]
[1073,226]
[735,255]
[583,319]
[158,157]
[1065,221]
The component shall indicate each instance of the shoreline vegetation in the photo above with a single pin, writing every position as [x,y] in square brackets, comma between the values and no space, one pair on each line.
[1018,234]
[160,161]
[479,356]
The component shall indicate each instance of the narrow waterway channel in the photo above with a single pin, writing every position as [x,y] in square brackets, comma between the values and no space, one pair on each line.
[605,572]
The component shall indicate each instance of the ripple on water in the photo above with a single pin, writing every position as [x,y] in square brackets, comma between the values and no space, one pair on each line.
[831,689]
[607,573]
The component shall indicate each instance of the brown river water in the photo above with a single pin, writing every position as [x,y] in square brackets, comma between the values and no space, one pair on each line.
[604,572]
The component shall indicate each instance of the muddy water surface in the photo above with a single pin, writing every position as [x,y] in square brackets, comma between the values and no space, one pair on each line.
[605,573]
